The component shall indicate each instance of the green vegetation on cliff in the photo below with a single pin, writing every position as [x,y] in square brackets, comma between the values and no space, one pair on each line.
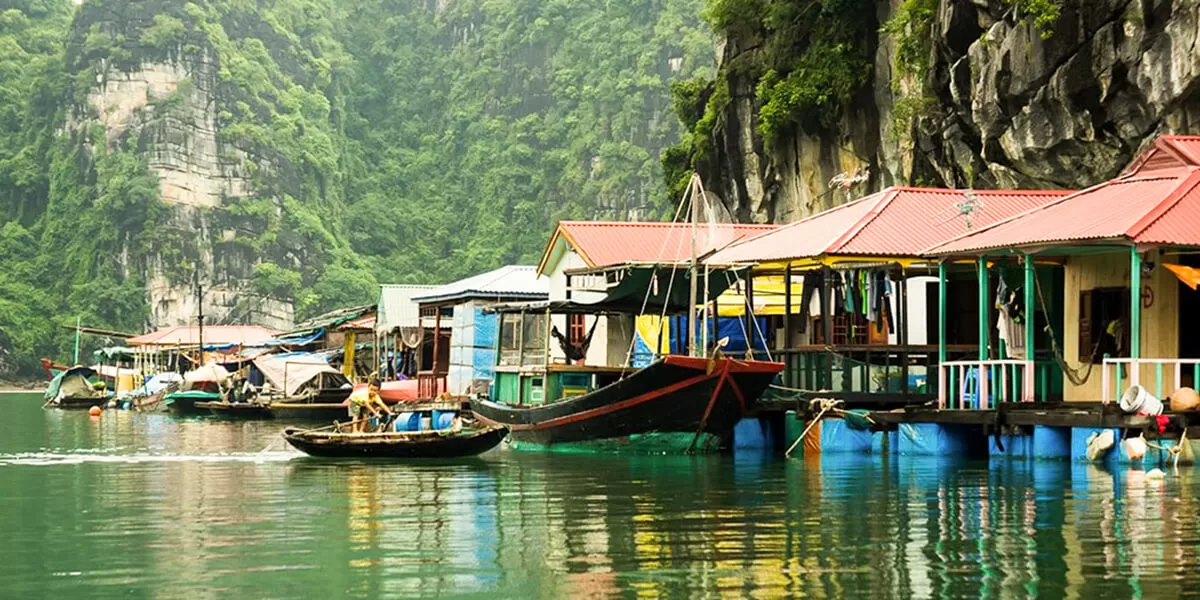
[803,59]
[379,141]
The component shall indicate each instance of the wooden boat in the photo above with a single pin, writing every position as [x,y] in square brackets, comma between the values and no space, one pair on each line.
[75,388]
[52,368]
[396,444]
[184,402]
[678,403]
[235,410]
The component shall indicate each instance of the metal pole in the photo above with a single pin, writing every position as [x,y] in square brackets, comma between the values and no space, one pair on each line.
[1135,306]
[750,319]
[695,209]
[707,311]
[200,315]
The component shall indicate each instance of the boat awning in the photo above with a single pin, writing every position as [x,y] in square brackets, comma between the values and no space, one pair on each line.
[634,289]
[290,372]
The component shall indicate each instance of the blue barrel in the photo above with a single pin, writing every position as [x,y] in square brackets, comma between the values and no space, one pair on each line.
[443,419]
[408,421]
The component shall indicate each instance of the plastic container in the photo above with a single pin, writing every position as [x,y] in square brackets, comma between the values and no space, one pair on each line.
[443,419]
[407,421]
[1137,400]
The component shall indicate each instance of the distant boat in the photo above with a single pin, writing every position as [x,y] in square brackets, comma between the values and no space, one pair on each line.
[184,402]
[235,410]
[76,387]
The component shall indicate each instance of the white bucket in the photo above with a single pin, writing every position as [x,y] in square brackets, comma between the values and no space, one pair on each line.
[1137,400]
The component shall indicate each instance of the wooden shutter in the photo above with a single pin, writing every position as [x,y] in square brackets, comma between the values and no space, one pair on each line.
[1086,340]
[576,329]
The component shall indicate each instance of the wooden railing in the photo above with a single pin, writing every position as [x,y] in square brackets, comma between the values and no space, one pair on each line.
[982,384]
[1126,372]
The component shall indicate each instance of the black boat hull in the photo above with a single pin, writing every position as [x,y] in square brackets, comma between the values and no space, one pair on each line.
[74,403]
[309,411]
[675,395]
[428,445]
[235,410]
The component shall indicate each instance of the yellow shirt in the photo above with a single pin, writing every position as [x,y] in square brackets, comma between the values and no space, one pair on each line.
[362,397]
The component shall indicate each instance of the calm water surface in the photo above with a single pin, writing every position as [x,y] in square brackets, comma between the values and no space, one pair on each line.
[149,506]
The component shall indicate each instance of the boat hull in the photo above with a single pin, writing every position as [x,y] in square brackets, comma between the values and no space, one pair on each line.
[236,410]
[675,395]
[80,403]
[184,403]
[309,411]
[395,445]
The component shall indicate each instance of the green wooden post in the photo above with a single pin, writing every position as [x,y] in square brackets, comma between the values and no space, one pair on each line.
[1030,322]
[947,381]
[1158,370]
[941,312]
[78,321]
[983,308]
[1135,304]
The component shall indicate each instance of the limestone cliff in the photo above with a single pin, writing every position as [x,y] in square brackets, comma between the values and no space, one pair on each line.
[995,98]
[193,90]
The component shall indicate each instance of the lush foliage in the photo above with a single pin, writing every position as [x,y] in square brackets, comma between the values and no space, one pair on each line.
[805,61]
[380,140]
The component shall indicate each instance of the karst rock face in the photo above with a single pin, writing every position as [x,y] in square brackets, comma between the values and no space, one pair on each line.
[1001,103]
[148,80]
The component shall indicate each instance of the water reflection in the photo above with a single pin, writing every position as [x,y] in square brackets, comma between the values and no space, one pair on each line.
[147,505]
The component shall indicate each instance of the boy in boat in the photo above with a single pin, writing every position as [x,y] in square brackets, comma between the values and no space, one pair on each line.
[366,400]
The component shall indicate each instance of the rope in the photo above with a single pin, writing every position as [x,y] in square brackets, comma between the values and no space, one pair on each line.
[753,319]
[827,404]
[1072,374]
[646,298]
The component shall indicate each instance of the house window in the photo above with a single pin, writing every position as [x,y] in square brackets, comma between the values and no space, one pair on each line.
[1103,324]
[576,328]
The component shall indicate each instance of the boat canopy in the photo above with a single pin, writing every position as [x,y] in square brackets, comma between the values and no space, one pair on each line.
[290,372]
[209,372]
[74,382]
[635,289]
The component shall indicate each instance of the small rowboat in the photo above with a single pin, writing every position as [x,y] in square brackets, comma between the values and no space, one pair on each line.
[396,444]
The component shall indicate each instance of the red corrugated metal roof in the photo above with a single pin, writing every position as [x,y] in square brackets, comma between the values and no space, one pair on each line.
[1167,152]
[609,243]
[898,221]
[188,335]
[810,236]
[1158,207]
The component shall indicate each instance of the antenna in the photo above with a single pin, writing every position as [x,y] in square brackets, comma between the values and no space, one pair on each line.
[968,206]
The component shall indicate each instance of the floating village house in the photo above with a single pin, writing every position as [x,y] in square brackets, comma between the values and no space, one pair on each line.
[1127,253]
[405,341]
[464,334]
[583,259]
[860,325]
[340,336]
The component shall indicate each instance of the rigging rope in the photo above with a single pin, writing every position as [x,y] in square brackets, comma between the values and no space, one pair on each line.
[646,299]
